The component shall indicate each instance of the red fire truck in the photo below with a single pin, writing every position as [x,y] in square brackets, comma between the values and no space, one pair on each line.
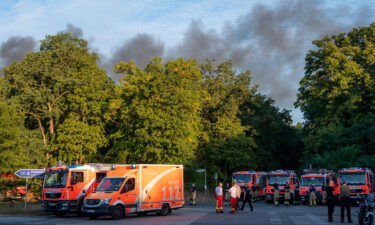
[255,180]
[281,177]
[317,179]
[65,187]
[360,181]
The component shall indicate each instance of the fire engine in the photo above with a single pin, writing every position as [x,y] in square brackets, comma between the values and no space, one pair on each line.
[137,188]
[65,187]
[360,181]
[255,180]
[317,179]
[281,177]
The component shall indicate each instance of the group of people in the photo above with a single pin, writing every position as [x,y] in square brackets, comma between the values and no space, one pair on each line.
[233,193]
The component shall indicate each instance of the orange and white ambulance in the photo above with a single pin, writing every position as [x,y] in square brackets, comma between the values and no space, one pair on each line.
[65,187]
[137,188]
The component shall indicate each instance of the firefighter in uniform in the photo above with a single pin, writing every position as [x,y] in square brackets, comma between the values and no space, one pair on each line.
[345,202]
[226,189]
[324,193]
[247,198]
[193,191]
[233,195]
[219,198]
[276,193]
[287,194]
[330,200]
[312,196]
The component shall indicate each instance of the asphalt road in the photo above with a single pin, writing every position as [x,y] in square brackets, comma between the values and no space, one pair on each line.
[202,214]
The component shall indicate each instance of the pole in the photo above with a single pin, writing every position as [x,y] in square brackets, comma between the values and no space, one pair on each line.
[205,182]
[26,194]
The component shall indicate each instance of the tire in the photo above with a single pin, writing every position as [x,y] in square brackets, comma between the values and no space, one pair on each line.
[59,214]
[164,210]
[93,217]
[370,219]
[117,213]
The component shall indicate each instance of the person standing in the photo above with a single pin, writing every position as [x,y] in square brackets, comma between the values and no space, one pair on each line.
[248,198]
[324,193]
[226,189]
[233,201]
[276,193]
[287,194]
[238,194]
[219,198]
[193,192]
[330,200]
[312,196]
[345,202]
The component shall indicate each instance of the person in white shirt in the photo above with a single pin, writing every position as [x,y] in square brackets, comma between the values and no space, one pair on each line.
[233,201]
[219,198]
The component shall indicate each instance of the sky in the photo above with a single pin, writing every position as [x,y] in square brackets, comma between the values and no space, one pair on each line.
[268,37]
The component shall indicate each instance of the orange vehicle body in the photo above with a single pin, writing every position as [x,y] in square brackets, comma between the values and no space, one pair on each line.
[317,179]
[65,187]
[360,181]
[255,180]
[137,188]
[281,176]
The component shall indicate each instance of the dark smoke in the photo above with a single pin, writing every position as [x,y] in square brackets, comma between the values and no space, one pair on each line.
[75,31]
[15,48]
[140,49]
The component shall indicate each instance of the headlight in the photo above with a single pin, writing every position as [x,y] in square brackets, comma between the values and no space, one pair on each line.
[105,201]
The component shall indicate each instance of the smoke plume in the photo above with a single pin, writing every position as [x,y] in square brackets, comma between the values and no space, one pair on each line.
[75,31]
[15,48]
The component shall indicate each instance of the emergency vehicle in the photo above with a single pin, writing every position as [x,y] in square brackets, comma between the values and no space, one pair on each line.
[316,178]
[137,188]
[360,181]
[255,180]
[65,187]
[281,177]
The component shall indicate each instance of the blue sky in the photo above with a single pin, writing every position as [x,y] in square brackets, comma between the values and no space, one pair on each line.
[272,36]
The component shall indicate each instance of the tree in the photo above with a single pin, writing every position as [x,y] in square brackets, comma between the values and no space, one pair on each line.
[337,94]
[159,112]
[60,81]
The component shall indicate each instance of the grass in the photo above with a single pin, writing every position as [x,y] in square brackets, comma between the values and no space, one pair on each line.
[17,208]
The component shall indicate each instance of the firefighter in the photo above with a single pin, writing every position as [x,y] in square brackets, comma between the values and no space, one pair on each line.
[238,194]
[219,198]
[233,198]
[248,198]
[345,202]
[255,193]
[324,193]
[193,191]
[226,189]
[287,194]
[312,196]
[330,200]
[276,193]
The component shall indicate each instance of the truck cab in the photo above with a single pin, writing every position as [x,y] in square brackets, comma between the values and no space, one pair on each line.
[281,177]
[64,187]
[359,180]
[252,179]
[316,178]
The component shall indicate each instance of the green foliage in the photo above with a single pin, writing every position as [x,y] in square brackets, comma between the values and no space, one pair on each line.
[159,112]
[337,97]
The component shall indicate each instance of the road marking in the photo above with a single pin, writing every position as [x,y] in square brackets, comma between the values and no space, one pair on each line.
[316,219]
[274,218]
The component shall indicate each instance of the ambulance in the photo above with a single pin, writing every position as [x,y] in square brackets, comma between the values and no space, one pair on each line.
[137,188]
[65,187]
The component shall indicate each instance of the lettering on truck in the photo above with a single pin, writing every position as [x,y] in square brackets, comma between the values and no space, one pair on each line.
[64,187]
[139,188]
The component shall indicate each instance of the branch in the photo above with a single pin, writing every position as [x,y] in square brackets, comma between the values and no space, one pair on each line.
[60,96]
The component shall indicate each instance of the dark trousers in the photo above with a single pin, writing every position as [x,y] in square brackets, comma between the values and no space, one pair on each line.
[331,208]
[237,205]
[345,204]
[247,201]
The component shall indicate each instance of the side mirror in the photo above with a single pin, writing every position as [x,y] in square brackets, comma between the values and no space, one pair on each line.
[124,190]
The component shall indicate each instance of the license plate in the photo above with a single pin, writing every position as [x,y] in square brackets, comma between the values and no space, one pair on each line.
[52,204]
[90,211]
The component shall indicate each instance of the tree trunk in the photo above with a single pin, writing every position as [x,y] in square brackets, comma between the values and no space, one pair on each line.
[51,125]
[40,125]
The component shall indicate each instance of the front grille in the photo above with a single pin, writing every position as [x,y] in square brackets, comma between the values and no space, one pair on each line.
[53,194]
[92,201]
[356,190]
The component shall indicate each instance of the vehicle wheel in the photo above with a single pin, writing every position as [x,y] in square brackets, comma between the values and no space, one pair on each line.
[59,214]
[370,219]
[164,210]
[118,213]
[93,217]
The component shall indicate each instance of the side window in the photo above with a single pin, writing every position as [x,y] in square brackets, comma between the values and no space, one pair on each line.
[129,185]
[100,176]
[77,177]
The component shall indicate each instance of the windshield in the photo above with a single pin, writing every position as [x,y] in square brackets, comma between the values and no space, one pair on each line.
[110,184]
[353,178]
[242,178]
[308,181]
[280,179]
[55,179]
